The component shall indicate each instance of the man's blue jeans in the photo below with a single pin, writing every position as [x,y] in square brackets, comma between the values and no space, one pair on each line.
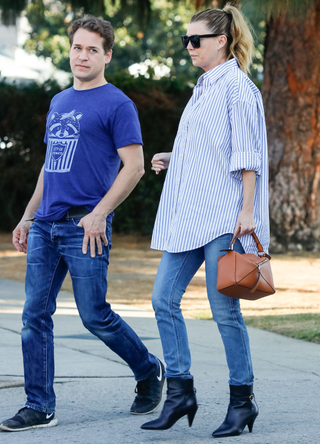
[53,249]
[174,274]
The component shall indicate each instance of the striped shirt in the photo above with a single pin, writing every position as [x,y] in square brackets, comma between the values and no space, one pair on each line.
[221,132]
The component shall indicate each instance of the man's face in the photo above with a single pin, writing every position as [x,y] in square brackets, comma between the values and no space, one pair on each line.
[87,56]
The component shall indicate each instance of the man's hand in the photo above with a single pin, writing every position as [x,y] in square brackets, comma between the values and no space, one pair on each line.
[94,225]
[20,235]
[246,222]
[160,162]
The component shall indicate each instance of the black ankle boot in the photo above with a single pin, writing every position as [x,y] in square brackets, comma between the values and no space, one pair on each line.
[242,411]
[181,400]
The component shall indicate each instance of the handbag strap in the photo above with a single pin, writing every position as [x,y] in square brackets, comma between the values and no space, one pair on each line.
[255,237]
[253,289]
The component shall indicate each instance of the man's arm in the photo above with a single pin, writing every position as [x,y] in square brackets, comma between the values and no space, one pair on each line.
[94,224]
[20,233]
[246,218]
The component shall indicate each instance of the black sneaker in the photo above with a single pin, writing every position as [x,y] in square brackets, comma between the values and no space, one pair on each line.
[28,418]
[149,393]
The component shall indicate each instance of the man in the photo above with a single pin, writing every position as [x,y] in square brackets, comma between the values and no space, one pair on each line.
[91,128]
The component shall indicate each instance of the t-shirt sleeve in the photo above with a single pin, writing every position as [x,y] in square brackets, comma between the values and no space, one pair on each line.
[245,140]
[125,125]
[45,139]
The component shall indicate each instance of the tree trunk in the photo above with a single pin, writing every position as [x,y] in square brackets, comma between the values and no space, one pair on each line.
[291,92]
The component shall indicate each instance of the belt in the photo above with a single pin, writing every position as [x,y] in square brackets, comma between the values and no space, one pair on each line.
[75,213]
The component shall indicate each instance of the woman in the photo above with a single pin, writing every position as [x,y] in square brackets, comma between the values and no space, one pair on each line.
[217,182]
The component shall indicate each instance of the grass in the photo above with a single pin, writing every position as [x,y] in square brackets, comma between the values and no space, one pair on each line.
[305,326]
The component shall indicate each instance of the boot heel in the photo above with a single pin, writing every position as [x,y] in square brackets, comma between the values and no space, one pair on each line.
[250,425]
[191,416]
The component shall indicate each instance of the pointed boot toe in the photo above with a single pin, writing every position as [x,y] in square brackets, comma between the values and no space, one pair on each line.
[155,425]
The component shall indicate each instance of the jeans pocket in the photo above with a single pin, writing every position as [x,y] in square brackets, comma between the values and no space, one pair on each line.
[109,234]
[76,220]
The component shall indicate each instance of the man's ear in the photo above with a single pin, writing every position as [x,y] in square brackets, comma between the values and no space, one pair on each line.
[108,57]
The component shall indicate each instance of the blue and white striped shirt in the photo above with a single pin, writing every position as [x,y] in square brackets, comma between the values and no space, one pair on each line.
[221,132]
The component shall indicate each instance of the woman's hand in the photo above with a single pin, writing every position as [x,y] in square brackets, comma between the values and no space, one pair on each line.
[160,162]
[245,222]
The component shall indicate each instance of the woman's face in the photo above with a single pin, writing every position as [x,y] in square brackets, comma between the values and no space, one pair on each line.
[212,50]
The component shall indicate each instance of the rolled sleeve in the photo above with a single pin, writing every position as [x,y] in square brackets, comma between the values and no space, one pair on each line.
[245,140]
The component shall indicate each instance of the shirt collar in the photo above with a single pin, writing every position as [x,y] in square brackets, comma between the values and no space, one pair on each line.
[215,73]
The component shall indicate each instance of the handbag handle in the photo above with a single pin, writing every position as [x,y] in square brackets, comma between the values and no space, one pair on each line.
[255,237]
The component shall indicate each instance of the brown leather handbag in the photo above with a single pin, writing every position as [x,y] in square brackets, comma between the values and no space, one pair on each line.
[245,276]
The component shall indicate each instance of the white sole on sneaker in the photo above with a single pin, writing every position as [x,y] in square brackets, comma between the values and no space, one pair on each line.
[146,413]
[52,423]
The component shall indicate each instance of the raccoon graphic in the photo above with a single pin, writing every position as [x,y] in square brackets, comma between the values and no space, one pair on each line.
[63,135]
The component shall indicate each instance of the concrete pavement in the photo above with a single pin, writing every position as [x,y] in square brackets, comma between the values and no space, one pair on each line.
[95,388]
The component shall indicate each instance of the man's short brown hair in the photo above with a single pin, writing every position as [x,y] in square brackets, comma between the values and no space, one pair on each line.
[93,24]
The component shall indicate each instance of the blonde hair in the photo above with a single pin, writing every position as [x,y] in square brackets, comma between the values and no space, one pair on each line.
[230,22]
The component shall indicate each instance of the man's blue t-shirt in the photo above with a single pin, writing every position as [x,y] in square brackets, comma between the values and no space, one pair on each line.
[84,130]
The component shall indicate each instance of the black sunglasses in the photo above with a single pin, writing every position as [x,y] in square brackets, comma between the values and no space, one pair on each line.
[195,39]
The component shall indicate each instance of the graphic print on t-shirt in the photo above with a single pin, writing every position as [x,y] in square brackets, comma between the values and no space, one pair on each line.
[63,135]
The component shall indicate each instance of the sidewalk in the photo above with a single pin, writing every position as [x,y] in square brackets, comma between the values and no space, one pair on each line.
[95,388]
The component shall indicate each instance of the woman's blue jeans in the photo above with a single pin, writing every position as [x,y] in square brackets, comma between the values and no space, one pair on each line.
[174,274]
[53,249]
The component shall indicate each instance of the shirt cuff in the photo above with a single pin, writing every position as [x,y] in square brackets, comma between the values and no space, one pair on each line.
[249,161]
